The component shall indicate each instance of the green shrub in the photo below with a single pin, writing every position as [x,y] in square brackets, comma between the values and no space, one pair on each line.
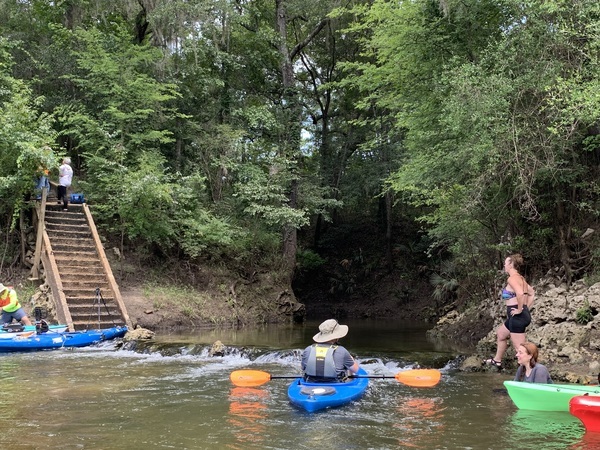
[584,314]
[309,260]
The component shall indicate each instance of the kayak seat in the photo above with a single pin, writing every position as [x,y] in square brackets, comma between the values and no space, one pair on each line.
[317,390]
[310,379]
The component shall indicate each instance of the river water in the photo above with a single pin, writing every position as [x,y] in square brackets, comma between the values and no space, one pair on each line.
[172,394]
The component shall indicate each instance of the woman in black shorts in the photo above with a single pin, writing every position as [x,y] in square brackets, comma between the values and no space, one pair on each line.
[518,296]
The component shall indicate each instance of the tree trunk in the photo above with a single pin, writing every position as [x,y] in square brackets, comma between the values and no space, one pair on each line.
[563,241]
[290,235]
[388,230]
[290,138]
[178,153]
[289,142]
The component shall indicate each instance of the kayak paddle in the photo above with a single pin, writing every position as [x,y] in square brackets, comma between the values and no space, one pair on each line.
[249,378]
[415,377]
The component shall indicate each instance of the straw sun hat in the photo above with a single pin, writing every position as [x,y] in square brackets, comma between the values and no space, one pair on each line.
[330,330]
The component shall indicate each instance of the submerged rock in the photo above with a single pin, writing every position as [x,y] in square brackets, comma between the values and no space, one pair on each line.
[138,334]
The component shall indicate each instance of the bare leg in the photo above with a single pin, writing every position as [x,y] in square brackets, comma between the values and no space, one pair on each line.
[517,339]
[502,335]
[26,321]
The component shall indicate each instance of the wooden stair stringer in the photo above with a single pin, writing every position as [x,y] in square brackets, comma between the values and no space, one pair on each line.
[105,264]
[55,283]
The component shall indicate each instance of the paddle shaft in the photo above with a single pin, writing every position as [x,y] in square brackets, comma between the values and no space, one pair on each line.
[274,377]
[416,378]
[392,377]
[373,376]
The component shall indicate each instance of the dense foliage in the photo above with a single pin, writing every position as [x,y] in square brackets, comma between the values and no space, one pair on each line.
[222,129]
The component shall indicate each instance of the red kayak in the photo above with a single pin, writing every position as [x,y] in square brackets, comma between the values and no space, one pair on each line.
[587,409]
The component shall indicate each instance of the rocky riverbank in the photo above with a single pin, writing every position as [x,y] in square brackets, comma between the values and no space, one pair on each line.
[565,324]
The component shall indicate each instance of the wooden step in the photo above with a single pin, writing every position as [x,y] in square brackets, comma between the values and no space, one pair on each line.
[82,235]
[87,286]
[56,231]
[87,278]
[53,206]
[68,219]
[81,312]
[74,247]
[74,292]
[70,235]
[78,268]
[76,263]
[90,299]
[93,325]
[55,223]
[61,255]
[75,220]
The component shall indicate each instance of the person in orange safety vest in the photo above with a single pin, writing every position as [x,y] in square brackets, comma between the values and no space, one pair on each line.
[11,308]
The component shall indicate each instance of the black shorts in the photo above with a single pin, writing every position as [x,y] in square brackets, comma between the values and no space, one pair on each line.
[518,322]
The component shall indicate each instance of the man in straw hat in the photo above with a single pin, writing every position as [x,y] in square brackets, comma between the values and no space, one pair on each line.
[326,360]
[11,308]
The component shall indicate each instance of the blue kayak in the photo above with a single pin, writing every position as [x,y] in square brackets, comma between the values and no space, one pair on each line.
[53,340]
[316,396]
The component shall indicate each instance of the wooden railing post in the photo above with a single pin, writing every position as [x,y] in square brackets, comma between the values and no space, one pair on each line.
[41,215]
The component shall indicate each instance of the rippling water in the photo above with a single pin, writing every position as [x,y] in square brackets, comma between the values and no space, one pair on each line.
[173,395]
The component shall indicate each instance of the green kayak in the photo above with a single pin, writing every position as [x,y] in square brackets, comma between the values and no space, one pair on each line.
[546,397]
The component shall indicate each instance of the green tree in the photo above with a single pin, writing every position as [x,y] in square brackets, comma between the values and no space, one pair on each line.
[499,141]
[25,135]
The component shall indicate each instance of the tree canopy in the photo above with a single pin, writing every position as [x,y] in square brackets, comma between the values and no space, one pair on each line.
[240,130]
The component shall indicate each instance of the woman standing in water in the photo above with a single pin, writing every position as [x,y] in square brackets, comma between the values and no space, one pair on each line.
[518,295]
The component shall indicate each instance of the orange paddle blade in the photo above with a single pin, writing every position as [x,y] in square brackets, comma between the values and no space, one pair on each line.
[249,378]
[25,335]
[419,377]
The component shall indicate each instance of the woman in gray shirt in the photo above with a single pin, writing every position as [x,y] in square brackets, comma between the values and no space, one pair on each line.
[529,369]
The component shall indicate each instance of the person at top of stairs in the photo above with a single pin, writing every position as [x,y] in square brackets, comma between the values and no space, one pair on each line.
[65,178]
[42,182]
[11,308]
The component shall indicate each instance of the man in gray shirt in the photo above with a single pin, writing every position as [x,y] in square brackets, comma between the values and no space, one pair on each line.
[326,360]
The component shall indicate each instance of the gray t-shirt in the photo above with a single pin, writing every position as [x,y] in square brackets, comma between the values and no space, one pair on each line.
[539,374]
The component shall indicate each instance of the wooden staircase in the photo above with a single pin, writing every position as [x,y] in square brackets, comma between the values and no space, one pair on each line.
[83,286]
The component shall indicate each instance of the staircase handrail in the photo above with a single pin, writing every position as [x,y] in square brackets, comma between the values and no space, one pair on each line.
[107,269]
[54,281]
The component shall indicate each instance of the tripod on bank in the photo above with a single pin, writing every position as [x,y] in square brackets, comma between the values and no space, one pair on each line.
[99,300]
